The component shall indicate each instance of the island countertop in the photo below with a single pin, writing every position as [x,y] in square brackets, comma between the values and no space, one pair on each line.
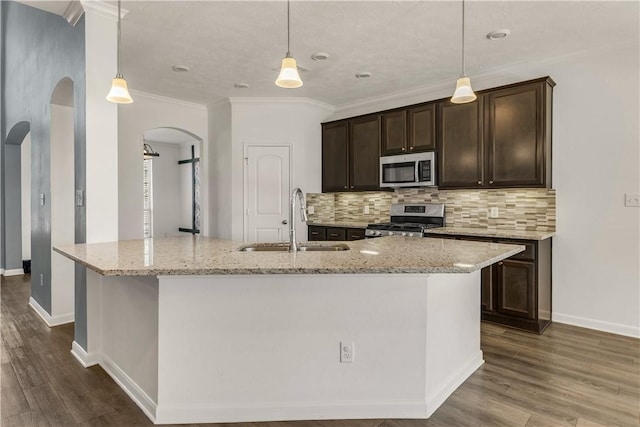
[197,255]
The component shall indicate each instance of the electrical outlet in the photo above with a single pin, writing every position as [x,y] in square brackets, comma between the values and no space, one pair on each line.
[42,199]
[41,279]
[632,199]
[494,212]
[311,210]
[365,210]
[347,352]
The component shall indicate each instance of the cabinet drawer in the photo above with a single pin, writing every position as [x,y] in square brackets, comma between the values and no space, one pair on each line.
[317,233]
[336,233]
[355,233]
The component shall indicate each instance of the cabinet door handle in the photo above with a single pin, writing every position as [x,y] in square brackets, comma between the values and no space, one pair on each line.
[500,263]
[345,186]
[490,182]
[352,186]
[479,182]
[402,148]
[410,148]
[333,234]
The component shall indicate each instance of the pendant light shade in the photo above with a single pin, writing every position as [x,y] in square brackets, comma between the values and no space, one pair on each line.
[289,77]
[119,92]
[463,92]
[148,152]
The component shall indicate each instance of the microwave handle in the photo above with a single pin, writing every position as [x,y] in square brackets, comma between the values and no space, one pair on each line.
[416,172]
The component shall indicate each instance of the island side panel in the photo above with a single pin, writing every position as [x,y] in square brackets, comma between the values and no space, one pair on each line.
[453,333]
[123,333]
[267,347]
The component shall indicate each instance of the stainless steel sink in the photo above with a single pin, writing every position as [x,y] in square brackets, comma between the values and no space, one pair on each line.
[284,247]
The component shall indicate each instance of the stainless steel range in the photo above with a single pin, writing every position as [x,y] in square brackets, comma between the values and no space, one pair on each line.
[409,220]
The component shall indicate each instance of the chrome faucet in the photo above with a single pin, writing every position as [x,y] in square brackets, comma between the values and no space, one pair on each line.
[293,247]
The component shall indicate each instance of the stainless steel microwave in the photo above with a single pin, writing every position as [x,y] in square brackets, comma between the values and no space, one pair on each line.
[410,170]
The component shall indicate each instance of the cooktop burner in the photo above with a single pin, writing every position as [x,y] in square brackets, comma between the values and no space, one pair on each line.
[409,220]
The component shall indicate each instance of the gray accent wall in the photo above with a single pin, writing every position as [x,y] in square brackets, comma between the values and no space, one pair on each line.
[38,50]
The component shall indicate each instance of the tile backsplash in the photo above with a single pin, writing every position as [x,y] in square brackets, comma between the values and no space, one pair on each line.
[519,209]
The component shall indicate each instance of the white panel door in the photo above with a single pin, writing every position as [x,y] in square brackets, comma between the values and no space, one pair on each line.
[267,195]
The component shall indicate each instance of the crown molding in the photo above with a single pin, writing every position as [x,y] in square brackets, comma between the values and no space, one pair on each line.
[161,98]
[480,81]
[103,9]
[73,12]
[282,100]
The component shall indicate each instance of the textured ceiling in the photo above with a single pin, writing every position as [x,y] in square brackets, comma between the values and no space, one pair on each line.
[404,44]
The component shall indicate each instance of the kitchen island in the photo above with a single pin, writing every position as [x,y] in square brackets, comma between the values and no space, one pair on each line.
[196,331]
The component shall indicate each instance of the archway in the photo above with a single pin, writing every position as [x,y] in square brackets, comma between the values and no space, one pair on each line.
[174,176]
[15,201]
[62,203]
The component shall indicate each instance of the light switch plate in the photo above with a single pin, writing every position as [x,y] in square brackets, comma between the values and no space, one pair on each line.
[79,198]
[632,199]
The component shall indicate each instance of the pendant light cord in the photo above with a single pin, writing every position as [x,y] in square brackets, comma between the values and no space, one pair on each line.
[288,32]
[118,47]
[463,72]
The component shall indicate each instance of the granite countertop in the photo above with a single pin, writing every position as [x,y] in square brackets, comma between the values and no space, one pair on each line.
[187,255]
[484,232]
[344,224]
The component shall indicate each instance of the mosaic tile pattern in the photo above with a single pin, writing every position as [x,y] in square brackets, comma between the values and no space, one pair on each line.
[349,207]
[529,209]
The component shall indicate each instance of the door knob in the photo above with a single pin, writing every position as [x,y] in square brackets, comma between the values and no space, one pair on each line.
[284,221]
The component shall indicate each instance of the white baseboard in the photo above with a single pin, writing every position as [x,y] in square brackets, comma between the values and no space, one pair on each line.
[14,272]
[599,325]
[288,411]
[132,389]
[438,396]
[60,319]
[85,359]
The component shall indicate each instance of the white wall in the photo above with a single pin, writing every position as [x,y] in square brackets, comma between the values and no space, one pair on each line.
[25,183]
[286,121]
[62,210]
[150,112]
[220,217]
[596,251]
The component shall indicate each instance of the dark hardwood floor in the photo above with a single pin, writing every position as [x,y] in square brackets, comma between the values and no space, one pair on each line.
[567,377]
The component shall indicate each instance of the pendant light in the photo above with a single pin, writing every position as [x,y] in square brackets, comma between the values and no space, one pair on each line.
[119,92]
[148,152]
[289,77]
[463,92]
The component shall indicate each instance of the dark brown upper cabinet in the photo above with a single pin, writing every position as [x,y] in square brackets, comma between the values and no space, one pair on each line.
[422,128]
[412,130]
[351,154]
[518,135]
[335,156]
[364,153]
[461,150]
[503,139]
[394,133]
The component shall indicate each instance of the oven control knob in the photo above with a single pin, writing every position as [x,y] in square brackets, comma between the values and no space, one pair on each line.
[410,234]
[391,233]
[378,233]
[404,233]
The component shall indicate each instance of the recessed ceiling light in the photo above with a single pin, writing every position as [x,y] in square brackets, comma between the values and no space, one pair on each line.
[363,75]
[498,34]
[180,68]
[320,56]
[241,86]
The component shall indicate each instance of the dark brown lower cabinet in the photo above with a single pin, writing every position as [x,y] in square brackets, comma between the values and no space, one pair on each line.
[516,292]
[321,233]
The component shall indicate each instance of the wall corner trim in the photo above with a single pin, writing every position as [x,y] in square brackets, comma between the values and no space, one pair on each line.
[85,359]
[103,9]
[51,321]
